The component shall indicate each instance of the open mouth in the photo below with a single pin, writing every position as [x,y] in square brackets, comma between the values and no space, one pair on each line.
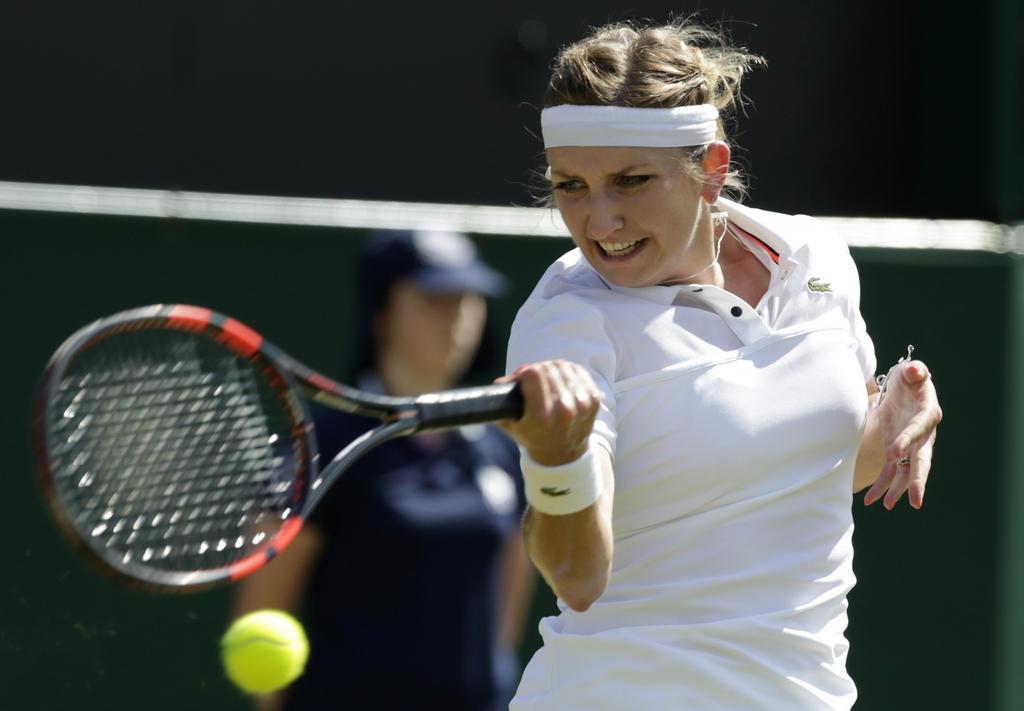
[619,249]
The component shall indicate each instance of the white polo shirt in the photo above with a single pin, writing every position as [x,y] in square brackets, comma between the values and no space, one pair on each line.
[734,433]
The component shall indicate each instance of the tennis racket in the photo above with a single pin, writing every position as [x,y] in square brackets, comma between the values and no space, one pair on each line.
[176,448]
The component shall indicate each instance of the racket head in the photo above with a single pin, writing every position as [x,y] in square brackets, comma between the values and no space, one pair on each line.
[173,448]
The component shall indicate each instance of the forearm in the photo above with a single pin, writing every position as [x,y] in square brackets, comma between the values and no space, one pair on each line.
[573,552]
[871,457]
[571,546]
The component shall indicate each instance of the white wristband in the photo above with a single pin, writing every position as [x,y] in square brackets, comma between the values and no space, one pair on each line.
[564,489]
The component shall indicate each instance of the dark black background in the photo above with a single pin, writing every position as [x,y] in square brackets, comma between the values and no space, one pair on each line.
[867,107]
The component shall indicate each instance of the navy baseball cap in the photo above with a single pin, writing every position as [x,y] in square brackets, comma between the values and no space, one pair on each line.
[438,262]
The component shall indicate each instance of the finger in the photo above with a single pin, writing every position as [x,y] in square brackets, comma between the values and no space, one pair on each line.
[881,484]
[511,377]
[912,477]
[539,386]
[915,372]
[564,405]
[919,429]
[559,408]
[900,482]
[582,385]
[508,427]
[921,461]
[562,430]
[536,389]
[585,402]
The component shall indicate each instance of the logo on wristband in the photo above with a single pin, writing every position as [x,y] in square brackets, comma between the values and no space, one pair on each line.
[552,491]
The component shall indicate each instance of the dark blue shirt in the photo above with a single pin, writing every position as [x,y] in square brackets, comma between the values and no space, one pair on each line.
[401,611]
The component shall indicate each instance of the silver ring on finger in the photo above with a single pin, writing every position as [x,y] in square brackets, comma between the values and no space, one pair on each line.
[903,461]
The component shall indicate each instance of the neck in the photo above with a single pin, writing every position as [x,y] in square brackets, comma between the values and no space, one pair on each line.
[711,273]
[402,377]
[743,273]
[733,250]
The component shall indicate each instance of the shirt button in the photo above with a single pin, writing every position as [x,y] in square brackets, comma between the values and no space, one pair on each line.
[737,311]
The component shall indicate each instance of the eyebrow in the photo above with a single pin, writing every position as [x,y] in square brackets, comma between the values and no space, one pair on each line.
[621,171]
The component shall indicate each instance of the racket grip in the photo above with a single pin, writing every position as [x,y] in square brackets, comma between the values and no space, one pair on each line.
[469,406]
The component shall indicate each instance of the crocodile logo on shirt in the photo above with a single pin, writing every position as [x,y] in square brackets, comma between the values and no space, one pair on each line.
[552,491]
[816,285]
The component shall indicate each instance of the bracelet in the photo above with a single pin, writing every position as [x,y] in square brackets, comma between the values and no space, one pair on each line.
[566,488]
[883,380]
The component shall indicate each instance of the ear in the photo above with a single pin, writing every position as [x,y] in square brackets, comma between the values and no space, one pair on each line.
[716,167]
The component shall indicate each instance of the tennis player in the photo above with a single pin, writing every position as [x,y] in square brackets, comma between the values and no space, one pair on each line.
[704,366]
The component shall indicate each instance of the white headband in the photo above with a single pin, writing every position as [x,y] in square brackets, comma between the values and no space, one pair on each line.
[575,125]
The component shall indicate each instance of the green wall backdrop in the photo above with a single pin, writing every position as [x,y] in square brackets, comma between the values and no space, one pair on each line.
[930,617]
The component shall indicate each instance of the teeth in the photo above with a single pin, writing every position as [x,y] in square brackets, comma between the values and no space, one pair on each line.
[618,249]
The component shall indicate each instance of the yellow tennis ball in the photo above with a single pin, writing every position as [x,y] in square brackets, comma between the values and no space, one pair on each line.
[264,651]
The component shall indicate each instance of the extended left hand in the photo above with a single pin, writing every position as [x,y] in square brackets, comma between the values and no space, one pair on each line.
[908,415]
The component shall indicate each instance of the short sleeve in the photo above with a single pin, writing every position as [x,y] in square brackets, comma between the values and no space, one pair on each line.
[568,327]
[837,252]
[858,328]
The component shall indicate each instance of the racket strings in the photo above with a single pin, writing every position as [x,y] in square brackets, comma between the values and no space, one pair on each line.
[171,451]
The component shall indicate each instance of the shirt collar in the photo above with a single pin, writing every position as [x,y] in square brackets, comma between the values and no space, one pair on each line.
[655,294]
[766,226]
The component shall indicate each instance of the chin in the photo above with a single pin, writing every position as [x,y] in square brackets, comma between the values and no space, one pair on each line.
[618,277]
[622,272]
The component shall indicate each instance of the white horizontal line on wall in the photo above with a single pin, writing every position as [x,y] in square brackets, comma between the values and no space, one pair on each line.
[477,219]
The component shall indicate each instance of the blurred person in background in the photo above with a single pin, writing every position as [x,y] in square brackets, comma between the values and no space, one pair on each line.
[411,576]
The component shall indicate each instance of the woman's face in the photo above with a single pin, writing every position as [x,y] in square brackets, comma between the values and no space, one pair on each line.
[635,213]
[434,333]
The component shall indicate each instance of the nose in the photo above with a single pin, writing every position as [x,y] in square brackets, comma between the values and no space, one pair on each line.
[604,216]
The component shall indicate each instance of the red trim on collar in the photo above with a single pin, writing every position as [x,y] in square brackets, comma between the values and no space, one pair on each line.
[771,252]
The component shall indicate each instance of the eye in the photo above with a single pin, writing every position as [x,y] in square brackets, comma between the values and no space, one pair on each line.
[568,185]
[633,181]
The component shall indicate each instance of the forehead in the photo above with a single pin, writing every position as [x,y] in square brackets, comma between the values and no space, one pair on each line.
[608,159]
